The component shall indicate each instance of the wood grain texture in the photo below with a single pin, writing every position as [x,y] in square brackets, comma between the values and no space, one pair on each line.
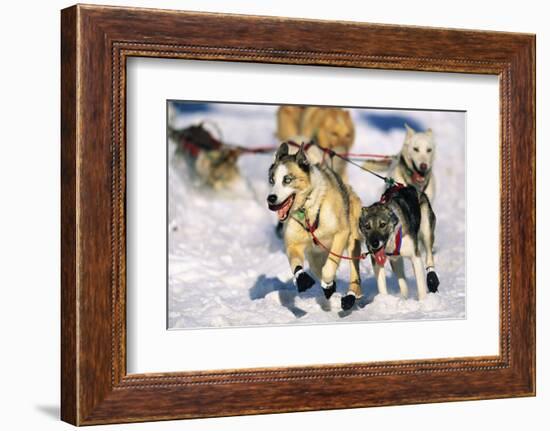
[96,41]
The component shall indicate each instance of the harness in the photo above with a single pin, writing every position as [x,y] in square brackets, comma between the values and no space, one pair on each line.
[300,215]
[311,228]
[398,239]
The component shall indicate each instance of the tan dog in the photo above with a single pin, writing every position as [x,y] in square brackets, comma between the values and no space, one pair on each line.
[331,128]
[312,198]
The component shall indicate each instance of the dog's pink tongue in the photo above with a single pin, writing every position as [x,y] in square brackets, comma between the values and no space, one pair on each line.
[380,257]
[417,178]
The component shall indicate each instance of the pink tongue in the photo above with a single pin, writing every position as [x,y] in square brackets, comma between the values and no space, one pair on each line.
[281,212]
[380,257]
[417,178]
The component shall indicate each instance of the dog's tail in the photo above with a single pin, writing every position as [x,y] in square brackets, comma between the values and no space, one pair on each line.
[380,164]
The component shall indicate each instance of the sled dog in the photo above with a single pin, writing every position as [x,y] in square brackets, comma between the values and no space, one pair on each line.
[414,164]
[318,212]
[211,161]
[331,128]
[393,229]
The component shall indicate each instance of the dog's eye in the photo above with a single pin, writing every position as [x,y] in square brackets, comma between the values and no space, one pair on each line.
[429,150]
[382,224]
[287,179]
[416,149]
[367,226]
[271,180]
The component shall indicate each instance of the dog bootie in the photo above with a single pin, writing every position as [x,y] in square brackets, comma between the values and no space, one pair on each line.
[302,279]
[328,289]
[348,301]
[432,281]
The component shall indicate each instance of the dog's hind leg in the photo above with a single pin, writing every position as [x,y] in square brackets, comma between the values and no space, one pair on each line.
[354,290]
[427,229]
[398,267]
[302,279]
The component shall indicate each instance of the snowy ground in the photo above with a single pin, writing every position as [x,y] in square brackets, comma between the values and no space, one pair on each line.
[227,267]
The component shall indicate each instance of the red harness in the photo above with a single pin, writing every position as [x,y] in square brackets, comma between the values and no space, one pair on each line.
[398,238]
[194,150]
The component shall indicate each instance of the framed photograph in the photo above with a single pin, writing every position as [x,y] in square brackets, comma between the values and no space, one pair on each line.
[260,217]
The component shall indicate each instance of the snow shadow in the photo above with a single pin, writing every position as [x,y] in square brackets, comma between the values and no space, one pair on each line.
[286,291]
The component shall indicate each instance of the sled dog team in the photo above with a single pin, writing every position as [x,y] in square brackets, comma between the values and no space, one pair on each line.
[322,220]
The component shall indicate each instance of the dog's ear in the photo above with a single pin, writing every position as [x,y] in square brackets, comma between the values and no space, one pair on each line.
[409,129]
[301,159]
[282,151]
[363,216]
[429,133]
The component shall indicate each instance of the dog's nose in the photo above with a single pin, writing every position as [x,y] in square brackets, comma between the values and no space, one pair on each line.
[375,243]
[272,199]
[423,166]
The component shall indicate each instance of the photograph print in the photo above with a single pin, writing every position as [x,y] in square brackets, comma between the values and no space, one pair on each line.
[300,215]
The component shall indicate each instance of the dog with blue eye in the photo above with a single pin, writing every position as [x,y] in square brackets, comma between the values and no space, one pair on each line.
[320,221]
[394,228]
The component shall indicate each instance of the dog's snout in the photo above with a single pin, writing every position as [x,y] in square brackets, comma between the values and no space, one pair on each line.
[423,166]
[272,199]
[375,243]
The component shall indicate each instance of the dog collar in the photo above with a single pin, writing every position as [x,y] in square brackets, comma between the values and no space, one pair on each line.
[301,217]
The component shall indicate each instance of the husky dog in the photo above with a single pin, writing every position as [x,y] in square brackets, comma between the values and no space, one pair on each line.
[414,164]
[212,162]
[331,128]
[318,212]
[392,229]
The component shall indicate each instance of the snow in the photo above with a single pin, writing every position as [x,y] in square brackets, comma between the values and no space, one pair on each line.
[228,268]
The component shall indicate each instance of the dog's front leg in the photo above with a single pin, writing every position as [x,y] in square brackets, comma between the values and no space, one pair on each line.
[380,275]
[419,275]
[302,279]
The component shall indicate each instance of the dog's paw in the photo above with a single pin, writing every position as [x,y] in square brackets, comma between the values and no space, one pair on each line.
[329,289]
[432,281]
[302,279]
[348,301]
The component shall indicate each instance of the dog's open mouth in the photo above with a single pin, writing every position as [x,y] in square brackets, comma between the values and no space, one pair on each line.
[283,209]
[380,256]
[418,176]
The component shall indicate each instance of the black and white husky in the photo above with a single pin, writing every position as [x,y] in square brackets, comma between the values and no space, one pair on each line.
[393,229]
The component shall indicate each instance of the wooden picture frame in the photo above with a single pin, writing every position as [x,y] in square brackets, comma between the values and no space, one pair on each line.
[95,43]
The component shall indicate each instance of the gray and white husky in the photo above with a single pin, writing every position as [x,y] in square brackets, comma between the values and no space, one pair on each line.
[393,229]
[414,164]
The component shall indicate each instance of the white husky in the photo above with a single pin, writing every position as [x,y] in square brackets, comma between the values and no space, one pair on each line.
[414,164]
